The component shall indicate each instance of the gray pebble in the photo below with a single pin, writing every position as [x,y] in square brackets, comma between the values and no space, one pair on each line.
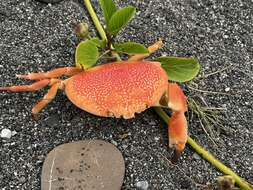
[196,156]
[13,133]
[114,142]
[142,185]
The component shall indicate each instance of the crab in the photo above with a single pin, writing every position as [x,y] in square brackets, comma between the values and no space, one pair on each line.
[117,89]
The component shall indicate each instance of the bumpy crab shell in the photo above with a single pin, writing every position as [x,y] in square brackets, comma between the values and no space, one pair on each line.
[118,89]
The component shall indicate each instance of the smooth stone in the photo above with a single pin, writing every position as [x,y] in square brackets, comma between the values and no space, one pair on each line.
[89,164]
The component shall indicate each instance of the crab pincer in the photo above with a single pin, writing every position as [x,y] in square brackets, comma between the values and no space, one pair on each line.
[118,89]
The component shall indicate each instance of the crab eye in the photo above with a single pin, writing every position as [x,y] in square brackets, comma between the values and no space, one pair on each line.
[164,100]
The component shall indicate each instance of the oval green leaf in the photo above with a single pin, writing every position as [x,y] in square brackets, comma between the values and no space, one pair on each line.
[109,8]
[130,48]
[179,69]
[120,19]
[86,54]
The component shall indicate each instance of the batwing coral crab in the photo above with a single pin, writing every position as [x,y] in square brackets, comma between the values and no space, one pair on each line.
[118,89]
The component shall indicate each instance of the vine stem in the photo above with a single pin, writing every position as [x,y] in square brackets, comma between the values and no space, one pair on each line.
[205,154]
[94,17]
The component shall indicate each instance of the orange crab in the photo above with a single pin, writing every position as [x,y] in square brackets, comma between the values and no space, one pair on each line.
[118,89]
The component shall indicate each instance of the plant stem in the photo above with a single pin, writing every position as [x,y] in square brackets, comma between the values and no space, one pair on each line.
[205,154]
[95,20]
[98,25]
[210,158]
[117,56]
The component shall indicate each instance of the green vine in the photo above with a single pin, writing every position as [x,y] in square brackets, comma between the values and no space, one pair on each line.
[95,20]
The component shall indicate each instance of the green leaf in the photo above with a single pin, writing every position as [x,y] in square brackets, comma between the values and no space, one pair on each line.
[103,43]
[86,54]
[99,43]
[130,48]
[96,41]
[179,69]
[109,8]
[120,19]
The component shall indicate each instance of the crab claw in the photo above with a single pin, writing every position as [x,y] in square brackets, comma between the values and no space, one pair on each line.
[177,133]
[177,127]
[177,101]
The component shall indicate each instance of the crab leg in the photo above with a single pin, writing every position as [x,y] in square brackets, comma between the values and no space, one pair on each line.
[33,87]
[48,97]
[157,45]
[68,71]
[177,127]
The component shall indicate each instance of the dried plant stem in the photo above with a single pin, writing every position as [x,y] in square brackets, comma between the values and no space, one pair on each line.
[209,92]
[215,72]
[243,184]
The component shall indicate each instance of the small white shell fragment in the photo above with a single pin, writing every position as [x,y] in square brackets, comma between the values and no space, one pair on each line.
[6,133]
[227,89]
